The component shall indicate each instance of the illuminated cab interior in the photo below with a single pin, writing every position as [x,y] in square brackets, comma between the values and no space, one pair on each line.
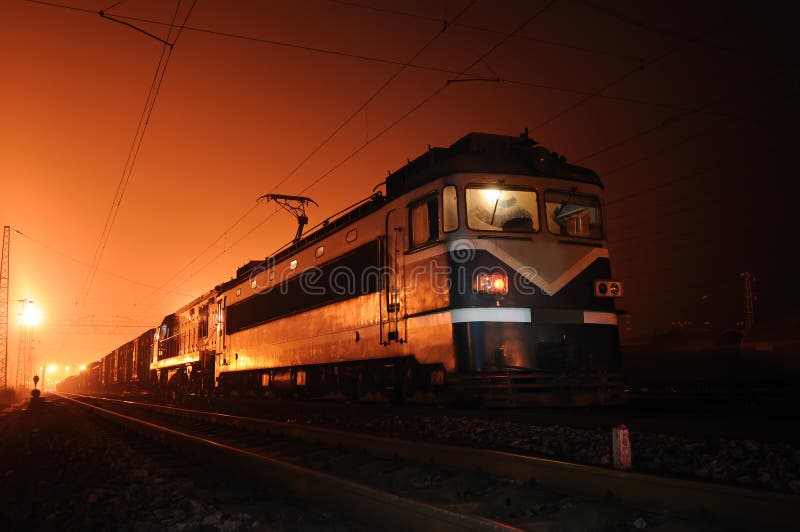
[502,209]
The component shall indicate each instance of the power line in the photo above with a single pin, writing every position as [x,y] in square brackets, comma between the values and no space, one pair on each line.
[682,35]
[685,140]
[416,16]
[604,88]
[260,40]
[63,6]
[136,144]
[429,97]
[679,116]
[374,59]
[324,142]
[87,265]
[386,129]
[374,94]
[161,288]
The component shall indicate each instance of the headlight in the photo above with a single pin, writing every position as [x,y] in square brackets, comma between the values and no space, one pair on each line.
[491,283]
[607,288]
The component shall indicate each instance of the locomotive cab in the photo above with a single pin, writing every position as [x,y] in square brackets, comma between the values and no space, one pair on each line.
[525,251]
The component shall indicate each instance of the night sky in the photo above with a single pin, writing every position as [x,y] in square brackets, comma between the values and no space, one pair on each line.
[688,112]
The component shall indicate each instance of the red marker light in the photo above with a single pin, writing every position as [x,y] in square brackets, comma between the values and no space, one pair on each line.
[498,284]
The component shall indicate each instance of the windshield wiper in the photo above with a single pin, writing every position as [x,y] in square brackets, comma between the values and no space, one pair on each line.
[496,202]
[557,212]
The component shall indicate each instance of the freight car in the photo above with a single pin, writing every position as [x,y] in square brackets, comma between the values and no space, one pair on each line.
[124,371]
[483,273]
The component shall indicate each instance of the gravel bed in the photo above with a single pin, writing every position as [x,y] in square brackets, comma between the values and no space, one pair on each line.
[59,470]
[763,465]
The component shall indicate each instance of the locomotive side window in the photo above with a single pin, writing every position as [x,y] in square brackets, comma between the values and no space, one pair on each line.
[449,208]
[570,214]
[202,326]
[424,218]
[496,209]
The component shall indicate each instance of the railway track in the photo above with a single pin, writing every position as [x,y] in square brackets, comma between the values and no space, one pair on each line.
[407,485]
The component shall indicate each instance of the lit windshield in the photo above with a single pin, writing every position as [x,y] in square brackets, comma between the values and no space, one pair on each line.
[570,214]
[495,209]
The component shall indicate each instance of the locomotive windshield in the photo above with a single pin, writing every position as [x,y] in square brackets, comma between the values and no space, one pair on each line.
[570,214]
[500,209]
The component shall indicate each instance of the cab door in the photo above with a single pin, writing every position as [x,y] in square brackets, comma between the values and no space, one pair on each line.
[393,326]
[219,333]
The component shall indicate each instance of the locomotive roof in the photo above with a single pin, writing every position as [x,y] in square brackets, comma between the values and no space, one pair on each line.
[485,153]
[328,226]
[474,152]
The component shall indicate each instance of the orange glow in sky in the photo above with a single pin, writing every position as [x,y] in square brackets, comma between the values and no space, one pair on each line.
[687,134]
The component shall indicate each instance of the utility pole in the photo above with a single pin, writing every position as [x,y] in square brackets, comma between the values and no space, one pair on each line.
[5,265]
[749,299]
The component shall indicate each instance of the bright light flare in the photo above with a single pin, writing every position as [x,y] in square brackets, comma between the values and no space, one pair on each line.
[83,368]
[52,368]
[491,195]
[499,285]
[30,315]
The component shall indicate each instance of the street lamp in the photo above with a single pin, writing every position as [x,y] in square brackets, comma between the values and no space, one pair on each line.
[30,316]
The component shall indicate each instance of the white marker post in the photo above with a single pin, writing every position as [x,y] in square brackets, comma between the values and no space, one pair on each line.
[621,446]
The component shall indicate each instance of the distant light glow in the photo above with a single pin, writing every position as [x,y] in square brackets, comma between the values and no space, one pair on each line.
[52,368]
[66,368]
[30,316]
[83,368]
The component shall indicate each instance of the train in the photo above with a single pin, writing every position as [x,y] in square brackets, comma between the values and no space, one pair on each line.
[482,273]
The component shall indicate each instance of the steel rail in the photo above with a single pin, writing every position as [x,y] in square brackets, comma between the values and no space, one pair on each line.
[737,504]
[363,503]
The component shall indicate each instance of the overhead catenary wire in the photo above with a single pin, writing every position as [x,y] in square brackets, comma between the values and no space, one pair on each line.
[136,144]
[627,74]
[193,260]
[374,95]
[322,144]
[428,98]
[374,59]
[406,14]
[386,129]
[675,117]
[681,35]
[666,148]
[396,121]
[85,264]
